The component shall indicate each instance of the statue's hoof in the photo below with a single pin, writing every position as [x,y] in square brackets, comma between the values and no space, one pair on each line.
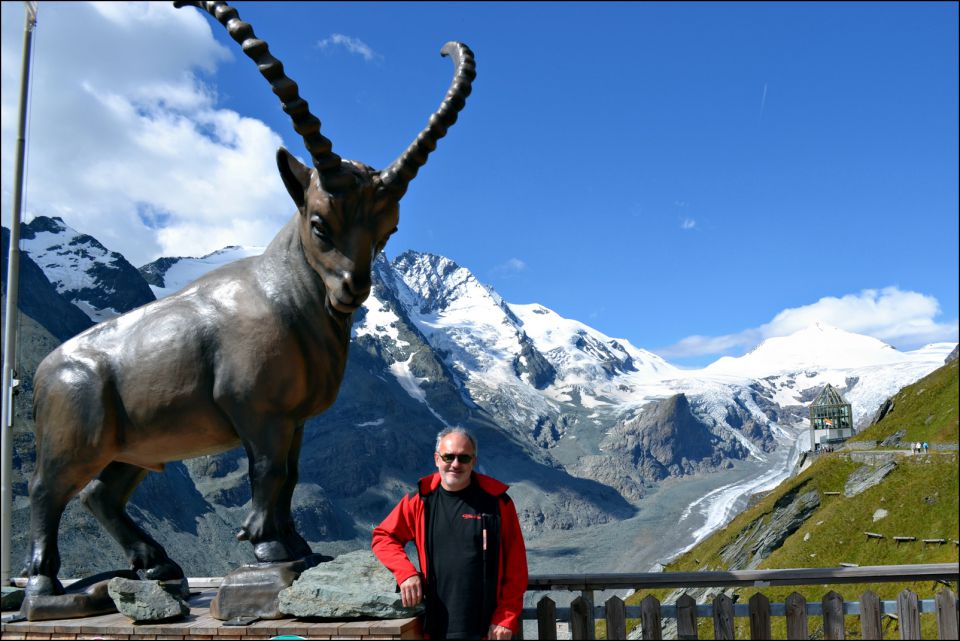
[39,585]
[166,571]
[272,552]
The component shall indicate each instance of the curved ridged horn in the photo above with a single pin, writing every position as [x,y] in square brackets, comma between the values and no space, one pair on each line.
[398,175]
[304,122]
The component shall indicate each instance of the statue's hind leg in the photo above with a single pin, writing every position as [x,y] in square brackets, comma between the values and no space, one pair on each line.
[106,497]
[75,427]
[51,488]
[47,503]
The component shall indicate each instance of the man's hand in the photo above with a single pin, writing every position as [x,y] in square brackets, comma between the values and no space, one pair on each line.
[411,593]
[499,632]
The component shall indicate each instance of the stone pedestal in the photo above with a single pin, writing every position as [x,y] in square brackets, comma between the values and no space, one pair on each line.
[85,598]
[251,591]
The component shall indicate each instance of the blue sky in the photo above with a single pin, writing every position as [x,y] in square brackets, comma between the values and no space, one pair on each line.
[691,177]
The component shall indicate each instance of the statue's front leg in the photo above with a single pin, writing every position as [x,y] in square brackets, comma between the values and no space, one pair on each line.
[294,542]
[268,445]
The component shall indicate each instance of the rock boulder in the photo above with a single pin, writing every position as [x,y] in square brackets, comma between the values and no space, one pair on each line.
[353,585]
[146,600]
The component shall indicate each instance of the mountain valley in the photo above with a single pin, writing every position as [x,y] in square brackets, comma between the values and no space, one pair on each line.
[592,433]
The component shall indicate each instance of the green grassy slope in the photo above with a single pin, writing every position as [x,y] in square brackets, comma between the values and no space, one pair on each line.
[927,410]
[920,498]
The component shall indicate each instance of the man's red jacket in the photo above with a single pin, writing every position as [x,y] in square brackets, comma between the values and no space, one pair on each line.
[407,523]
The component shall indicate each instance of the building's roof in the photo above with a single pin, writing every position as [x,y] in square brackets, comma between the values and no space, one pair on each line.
[829,396]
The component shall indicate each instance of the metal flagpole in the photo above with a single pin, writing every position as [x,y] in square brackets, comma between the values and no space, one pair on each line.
[13,287]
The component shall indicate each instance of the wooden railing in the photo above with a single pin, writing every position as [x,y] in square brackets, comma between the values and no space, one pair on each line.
[582,614]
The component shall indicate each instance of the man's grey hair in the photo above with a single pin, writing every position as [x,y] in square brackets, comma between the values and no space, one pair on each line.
[447,431]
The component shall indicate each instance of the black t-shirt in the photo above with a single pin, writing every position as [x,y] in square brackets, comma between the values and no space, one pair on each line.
[457,554]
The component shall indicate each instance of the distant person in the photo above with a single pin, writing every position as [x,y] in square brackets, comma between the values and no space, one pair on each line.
[926,447]
[473,562]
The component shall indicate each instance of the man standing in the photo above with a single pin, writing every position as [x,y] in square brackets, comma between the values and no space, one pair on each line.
[472,557]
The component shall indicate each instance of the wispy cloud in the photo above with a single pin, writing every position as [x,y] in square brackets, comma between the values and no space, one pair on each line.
[133,124]
[904,319]
[763,100]
[352,45]
[509,267]
[686,222]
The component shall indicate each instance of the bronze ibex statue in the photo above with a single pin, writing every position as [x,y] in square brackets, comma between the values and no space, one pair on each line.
[242,356]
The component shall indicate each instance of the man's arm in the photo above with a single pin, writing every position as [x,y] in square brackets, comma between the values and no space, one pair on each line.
[389,539]
[513,579]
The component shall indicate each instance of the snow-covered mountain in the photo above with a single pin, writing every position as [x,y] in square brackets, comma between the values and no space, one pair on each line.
[819,346]
[562,386]
[791,370]
[101,283]
[39,298]
[580,424]
[168,275]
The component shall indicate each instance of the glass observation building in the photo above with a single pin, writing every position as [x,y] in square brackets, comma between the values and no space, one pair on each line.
[831,419]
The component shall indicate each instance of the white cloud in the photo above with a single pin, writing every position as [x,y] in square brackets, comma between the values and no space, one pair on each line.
[125,139]
[509,267]
[905,320]
[688,223]
[353,45]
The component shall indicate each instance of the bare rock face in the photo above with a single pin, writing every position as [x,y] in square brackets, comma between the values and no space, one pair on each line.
[866,477]
[953,355]
[882,411]
[146,600]
[353,585]
[894,439]
[764,535]
[666,439]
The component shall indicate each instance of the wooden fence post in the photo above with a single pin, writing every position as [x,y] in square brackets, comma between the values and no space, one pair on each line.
[650,615]
[723,617]
[581,619]
[686,618]
[909,612]
[616,618]
[547,619]
[946,614]
[833,616]
[871,621]
[796,607]
[760,617]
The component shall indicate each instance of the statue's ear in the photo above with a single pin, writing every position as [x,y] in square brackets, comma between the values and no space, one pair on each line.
[295,175]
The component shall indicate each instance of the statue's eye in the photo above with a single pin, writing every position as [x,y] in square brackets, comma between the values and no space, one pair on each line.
[319,229]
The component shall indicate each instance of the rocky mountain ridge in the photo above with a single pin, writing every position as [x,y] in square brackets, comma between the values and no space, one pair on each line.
[580,424]
[101,283]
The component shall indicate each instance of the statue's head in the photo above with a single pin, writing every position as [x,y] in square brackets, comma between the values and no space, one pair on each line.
[347,209]
[341,233]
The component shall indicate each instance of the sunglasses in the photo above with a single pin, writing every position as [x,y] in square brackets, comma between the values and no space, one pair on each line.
[450,458]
